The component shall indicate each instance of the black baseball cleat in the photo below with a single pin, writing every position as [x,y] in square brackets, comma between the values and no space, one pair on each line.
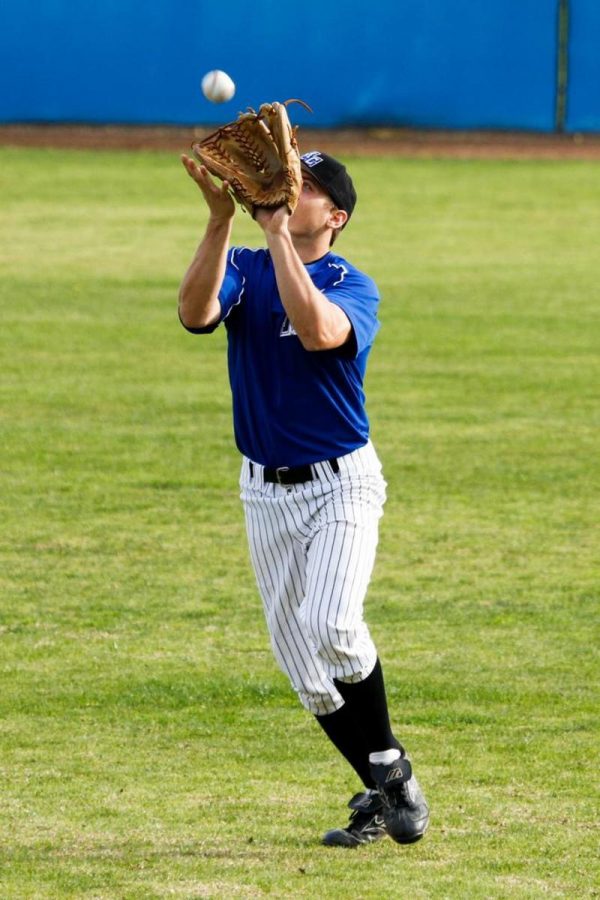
[366,822]
[405,811]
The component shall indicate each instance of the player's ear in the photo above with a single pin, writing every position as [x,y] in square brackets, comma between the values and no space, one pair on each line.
[337,219]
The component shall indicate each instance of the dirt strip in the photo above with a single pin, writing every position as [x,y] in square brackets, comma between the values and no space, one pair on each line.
[356,141]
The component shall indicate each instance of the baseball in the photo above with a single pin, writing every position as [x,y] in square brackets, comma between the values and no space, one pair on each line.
[217,86]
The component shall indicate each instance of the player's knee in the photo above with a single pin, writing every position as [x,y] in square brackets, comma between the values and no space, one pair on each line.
[334,644]
[345,652]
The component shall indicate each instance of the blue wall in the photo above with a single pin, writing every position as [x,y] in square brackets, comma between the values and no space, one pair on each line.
[583,96]
[438,63]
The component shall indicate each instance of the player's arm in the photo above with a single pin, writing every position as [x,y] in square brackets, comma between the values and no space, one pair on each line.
[199,292]
[319,323]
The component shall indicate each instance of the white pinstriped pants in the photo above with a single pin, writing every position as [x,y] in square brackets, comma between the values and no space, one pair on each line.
[313,547]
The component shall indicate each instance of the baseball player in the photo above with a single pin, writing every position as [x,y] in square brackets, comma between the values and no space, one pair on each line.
[300,323]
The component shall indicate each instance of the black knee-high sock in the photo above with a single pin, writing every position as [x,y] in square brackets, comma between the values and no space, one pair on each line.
[341,729]
[362,725]
[367,704]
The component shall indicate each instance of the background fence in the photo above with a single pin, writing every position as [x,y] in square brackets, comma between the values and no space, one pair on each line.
[513,64]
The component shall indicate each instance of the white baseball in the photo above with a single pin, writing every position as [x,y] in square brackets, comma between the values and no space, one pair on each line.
[217,86]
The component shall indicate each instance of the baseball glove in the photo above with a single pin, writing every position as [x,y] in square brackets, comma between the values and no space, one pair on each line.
[258,156]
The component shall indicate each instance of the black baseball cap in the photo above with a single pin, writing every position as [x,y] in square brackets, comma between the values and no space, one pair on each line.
[333,178]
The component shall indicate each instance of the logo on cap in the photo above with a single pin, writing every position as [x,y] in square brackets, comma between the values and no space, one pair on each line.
[312,159]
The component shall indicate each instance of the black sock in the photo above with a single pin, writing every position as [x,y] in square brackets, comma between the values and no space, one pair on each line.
[367,705]
[341,729]
[362,725]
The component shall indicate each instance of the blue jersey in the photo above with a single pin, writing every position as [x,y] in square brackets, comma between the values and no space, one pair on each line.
[292,406]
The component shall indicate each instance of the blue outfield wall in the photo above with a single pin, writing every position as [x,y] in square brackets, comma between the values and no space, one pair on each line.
[433,63]
[583,94]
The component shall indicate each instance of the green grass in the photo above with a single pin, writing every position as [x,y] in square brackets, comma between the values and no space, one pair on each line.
[149,747]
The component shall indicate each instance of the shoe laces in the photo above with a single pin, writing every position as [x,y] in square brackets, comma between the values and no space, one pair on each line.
[399,795]
[361,819]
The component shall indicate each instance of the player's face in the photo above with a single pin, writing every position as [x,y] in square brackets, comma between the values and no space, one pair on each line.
[314,208]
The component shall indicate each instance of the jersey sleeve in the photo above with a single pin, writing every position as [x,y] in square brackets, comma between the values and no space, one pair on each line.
[358,296]
[232,289]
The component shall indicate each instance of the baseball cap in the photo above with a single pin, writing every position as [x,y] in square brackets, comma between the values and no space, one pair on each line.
[333,178]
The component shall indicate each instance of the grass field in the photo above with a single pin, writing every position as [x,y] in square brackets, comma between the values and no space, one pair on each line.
[149,747]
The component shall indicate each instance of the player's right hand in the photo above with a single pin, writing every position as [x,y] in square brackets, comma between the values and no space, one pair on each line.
[272,221]
[218,199]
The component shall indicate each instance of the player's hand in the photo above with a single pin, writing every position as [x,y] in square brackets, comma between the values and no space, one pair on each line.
[218,199]
[273,221]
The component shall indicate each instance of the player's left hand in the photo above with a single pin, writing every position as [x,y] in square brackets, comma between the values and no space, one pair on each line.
[217,196]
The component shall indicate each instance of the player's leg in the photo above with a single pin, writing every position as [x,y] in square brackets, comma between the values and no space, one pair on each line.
[277,537]
[334,598]
[278,563]
[340,562]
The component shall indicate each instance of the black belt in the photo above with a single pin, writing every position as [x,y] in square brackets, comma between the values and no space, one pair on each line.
[292,474]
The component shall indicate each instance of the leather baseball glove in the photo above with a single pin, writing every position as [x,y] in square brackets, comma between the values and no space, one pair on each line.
[258,156]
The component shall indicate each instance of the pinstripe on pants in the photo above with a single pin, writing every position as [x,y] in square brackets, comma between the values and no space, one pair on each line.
[313,547]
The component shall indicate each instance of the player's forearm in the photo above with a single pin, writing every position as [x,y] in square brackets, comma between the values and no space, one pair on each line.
[319,324]
[199,292]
